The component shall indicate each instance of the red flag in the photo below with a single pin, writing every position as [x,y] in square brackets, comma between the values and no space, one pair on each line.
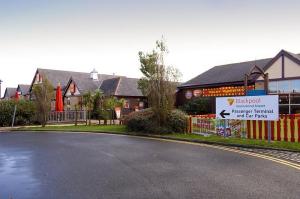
[17,96]
[59,106]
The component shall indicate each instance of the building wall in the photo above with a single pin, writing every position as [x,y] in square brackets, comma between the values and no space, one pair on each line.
[291,69]
[185,95]
[133,103]
[72,101]
[275,70]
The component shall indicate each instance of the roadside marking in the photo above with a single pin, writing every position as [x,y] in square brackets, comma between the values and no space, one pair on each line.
[284,162]
[280,161]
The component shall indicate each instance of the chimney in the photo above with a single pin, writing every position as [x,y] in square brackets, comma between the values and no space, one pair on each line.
[94,75]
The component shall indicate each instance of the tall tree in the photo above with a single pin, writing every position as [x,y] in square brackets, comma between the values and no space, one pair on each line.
[43,93]
[111,103]
[88,100]
[98,104]
[159,82]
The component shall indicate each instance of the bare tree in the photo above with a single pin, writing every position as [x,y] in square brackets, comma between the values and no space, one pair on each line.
[159,82]
[88,100]
[43,94]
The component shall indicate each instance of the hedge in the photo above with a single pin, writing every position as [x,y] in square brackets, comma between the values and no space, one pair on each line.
[144,121]
[25,113]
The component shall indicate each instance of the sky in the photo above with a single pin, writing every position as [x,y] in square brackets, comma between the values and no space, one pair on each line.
[80,35]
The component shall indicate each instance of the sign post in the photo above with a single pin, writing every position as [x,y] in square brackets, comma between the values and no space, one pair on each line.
[269,131]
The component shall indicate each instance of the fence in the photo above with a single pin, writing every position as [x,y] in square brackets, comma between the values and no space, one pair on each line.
[66,116]
[285,129]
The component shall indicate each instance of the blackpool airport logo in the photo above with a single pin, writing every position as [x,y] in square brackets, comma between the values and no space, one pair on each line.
[230,101]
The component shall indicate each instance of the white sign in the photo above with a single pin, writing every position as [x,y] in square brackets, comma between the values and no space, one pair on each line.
[118,112]
[264,107]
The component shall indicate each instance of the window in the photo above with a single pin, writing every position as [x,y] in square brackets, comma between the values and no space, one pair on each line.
[289,95]
[295,109]
[295,99]
[68,101]
[284,109]
[272,87]
[72,88]
[283,99]
[126,104]
[141,104]
[289,103]
[295,85]
[284,86]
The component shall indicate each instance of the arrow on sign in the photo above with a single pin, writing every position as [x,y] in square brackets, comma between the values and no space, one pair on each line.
[223,114]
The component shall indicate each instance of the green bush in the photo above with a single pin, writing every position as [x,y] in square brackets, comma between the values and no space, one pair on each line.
[25,113]
[144,121]
[177,121]
[140,121]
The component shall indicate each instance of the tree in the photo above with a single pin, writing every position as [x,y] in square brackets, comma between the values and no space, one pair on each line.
[159,82]
[111,103]
[97,105]
[43,94]
[88,103]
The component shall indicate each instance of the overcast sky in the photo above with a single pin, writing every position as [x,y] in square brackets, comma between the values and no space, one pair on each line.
[107,35]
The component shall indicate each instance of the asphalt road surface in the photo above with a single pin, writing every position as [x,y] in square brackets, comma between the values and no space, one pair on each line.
[88,166]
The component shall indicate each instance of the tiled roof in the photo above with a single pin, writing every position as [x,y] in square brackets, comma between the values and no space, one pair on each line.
[230,72]
[109,84]
[24,89]
[9,92]
[60,76]
[225,73]
[128,87]
[121,86]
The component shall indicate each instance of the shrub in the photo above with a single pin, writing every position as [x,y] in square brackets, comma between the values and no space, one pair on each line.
[25,113]
[145,121]
[177,121]
[140,121]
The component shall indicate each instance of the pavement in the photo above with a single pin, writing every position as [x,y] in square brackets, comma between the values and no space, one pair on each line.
[85,165]
[280,154]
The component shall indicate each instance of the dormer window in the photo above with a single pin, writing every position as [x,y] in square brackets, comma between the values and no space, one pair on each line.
[72,88]
[38,79]
[94,75]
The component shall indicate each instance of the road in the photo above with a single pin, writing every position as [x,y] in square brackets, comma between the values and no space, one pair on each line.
[83,165]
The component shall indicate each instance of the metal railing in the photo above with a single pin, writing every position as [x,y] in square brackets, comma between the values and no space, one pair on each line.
[66,116]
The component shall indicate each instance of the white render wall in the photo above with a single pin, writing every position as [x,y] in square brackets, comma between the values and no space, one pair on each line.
[291,69]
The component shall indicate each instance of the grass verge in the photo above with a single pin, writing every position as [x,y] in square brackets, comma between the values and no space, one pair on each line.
[121,129]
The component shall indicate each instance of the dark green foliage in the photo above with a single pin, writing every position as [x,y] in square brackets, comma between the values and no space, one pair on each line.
[177,121]
[197,106]
[144,121]
[140,121]
[25,114]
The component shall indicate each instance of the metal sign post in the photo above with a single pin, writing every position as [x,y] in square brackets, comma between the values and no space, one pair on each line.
[269,132]
[14,115]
